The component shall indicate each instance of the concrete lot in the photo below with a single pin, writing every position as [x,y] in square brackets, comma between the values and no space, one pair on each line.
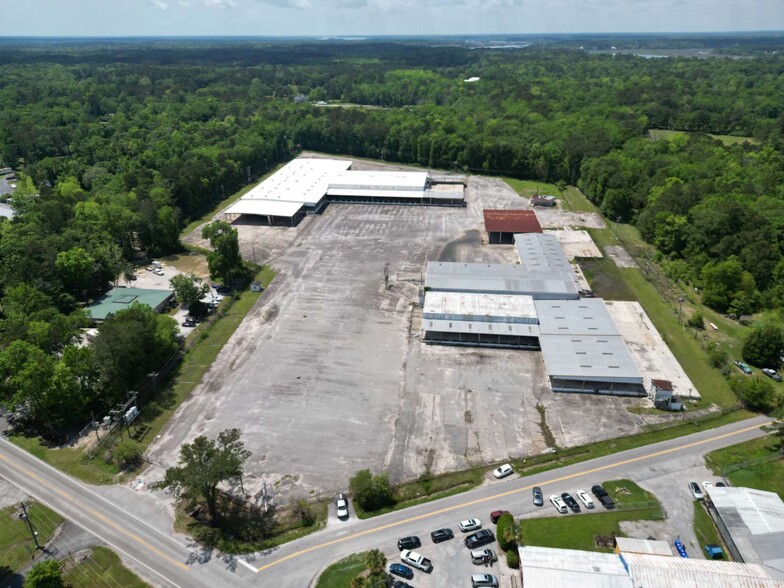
[649,351]
[620,256]
[576,243]
[146,279]
[327,376]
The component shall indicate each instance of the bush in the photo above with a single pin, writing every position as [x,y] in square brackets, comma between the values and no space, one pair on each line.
[696,321]
[127,454]
[371,492]
[513,558]
[755,393]
[764,343]
[717,357]
[507,536]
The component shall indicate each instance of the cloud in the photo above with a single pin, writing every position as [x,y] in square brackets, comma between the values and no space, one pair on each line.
[158,4]
[206,3]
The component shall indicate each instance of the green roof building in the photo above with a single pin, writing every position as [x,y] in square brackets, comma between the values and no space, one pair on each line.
[118,299]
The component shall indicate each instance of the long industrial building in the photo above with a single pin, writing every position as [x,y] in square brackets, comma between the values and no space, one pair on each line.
[305,186]
[533,305]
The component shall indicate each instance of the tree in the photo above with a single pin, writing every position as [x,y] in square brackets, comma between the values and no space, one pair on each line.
[755,393]
[371,492]
[764,343]
[303,511]
[75,268]
[224,261]
[45,574]
[505,530]
[188,289]
[204,464]
[376,562]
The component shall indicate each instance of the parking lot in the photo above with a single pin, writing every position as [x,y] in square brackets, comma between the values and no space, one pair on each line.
[327,375]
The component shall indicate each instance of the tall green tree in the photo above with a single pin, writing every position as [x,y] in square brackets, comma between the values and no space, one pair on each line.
[203,465]
[188,289]
[764,344]
[45,574]
[224,261]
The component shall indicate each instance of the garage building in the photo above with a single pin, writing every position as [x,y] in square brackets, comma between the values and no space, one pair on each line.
[118,299]
[501,225]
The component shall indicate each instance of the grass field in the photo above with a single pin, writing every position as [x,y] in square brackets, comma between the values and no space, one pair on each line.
[528,188]
[102,568]
[16,545]
[210,339]
[657,134]
[578,531]
[705,529]
[341,573]
[755,464]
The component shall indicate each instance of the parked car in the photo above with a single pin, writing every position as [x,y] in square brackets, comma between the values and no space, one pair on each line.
[478,556]
[416,560]
[721,485]
[603,497]
[570,502]
[538,498]
[707,485]
[440,535]
[771,374]
[503,471]
[470,525]
[483,580]
[188,323]
[342,503]
[585,499]
[496,514]
[479,538]
[401,570]
[558,503]
[695,491]
[744,367]
[401,584]
[411,542]
[148,268]
[157,271]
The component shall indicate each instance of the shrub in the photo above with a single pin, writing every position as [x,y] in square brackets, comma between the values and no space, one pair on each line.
[764,343]
[128,454]
[755,393]
[696,321]
[371,492]
[513,558]
[717,357]
[505,529]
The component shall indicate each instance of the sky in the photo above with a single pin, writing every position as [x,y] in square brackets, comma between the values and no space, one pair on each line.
[382,17]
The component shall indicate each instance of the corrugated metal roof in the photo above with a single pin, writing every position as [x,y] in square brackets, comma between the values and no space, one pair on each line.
[479,307]
[498,278]
[598,358]
[646,546]
[586,316]
[542,252]
[480,327]
[511,221]
[566,568]
[378,180]
[265,208]
[301,180]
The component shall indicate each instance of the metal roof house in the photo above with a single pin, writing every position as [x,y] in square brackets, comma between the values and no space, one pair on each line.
[118,299]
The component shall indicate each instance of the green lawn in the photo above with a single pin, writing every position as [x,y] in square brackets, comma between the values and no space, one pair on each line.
[754,464]
[209,340]
[576,201]
[341,573]
[577,531]
[705,529]
[657,134]
[528,188]
[103,568]
[17,548]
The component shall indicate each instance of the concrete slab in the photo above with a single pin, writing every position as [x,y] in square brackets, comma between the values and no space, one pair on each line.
[576,243]
[649,351]
[620,256]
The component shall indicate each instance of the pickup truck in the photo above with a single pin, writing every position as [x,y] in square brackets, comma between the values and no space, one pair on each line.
[603,497]
[416,560]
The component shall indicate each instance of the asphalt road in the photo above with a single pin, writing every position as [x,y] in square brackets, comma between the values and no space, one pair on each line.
[167,560]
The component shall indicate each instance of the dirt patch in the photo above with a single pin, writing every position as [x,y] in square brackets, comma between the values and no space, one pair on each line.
[620,256]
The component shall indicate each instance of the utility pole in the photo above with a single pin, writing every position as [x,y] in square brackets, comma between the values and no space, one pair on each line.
[95,426]
[29,523]
[386,275]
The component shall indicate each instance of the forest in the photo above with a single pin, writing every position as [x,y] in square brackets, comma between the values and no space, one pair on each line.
[118,145]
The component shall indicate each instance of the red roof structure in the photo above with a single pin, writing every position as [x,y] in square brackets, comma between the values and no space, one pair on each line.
[511,221]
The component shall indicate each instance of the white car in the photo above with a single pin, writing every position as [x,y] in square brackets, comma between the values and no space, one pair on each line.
[707,485]
[558,503]
[157,271]
[503,471]
[585,499]
[342,505]
[695,491]
[470,525]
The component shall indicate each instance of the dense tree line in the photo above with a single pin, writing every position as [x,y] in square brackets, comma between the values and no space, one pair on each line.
[120,144]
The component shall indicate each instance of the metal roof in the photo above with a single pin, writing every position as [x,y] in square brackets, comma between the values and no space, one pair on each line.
[511,221]
[590,358]
[653,571]
[755,522]
[649,546]
[301,180]
[566,568]
[497,278]
[480,327]
[479,307]
[118,299]
[542,252]
[378,180]
[586,316]
[265,208]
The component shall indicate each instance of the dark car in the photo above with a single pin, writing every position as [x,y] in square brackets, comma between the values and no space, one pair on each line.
[441,535]
[538,498]
[411,542]
[570,502]
[188,323]
[401,584]
[479,538]
[222,289]
[496,514]
[603,497]
[401,570]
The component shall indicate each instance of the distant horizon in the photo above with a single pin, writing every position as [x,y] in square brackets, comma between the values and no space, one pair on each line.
[385,18]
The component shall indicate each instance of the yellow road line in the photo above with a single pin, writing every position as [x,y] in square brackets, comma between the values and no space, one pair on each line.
[504,494]
[86,509]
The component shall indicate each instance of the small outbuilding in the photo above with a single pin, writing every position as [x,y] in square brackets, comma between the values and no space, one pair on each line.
[118,299]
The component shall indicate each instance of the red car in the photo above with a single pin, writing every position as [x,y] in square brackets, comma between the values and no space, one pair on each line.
[496,514]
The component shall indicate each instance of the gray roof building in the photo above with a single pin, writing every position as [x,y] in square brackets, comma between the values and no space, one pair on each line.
[542,252]
[586,316]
